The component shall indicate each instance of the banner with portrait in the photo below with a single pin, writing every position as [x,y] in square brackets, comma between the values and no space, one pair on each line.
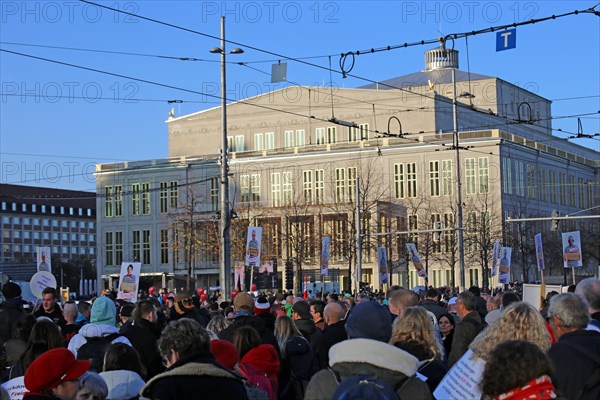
[384,275]
[129,280]
[253,244]
[325,254]
[495,257]
[571,242]
[504,269]
[539,252]
[43,259]
[416,259]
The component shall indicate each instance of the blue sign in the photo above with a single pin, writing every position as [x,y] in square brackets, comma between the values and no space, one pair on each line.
[506,39]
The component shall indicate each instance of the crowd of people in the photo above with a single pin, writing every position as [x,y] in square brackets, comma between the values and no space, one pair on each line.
[431,344]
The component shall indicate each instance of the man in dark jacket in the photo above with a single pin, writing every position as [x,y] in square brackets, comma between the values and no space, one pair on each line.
[192,371]
[243,305]
[10,311]
[334,332]
[577,350]
[480,303]
[469,326]
[49,307]
[431,303]
[303,319]
[143,333]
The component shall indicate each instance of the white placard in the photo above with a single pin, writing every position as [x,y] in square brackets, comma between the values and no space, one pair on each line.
[16,388]
[462,381]
[40,281]
[129,281]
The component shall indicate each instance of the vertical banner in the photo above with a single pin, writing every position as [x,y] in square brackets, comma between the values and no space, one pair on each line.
[253,243]
[43,259]
[383,265]
[325,254]
[129,281]
[571,242]
[539,251]
[414,256]
[504,274]
[238,282]
[495,257]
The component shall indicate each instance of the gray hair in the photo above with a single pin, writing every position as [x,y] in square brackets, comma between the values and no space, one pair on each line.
[71,309]
[468,300]
[217,324]
[184,336]
[93,384]
[571,309]
[589,288]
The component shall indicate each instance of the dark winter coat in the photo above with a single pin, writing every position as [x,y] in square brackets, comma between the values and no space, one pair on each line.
[10,311]
[143,337]
[429,366]
[434,307]
[55,315]
[331,335]
[309,330]
[572,368]
[266,336]
[369,357]
[195,376]
[464,333]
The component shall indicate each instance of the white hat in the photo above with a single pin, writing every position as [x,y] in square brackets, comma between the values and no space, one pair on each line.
[452,301]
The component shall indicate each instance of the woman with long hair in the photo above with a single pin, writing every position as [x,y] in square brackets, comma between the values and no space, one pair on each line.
[44,336]
[218,323]
[123,372]
[447,324]
[414,333]
[519,321]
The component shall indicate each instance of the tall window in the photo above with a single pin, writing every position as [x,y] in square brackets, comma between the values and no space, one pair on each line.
[118,196]
[331,134]
[136,244]
[581,191]
[239,143]
[470,175]
[288,137]
[146,246]
[543,183]
[357,133]
[108,202]
[507,176]
[118,247]
[363,131]
[399,181]
[531,184]
[484,174]
[214,194]
[411,179]
[135,199]
[174,194]
[145,198]
[109,248]
[434,178]
[245,188]
[351,183]
[436,219]
[269,140]
[447,181]
[320,135]
[520,175]
[319,186]
[472,229]
[572,191]
[300,138]
[275,189]
[413,225]
[448,235]
[340,185]
[307,185]
[287,188]
[255,187]
[230,144]
[258,142]
[563,188]
[164,246]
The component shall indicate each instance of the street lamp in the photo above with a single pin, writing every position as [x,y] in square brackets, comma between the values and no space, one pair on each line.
[224,239]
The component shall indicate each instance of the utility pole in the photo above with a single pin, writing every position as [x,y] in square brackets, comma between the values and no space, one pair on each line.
[459,207]
[358,271]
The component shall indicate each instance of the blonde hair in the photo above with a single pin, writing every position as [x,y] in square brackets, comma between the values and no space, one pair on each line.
[414,325]
[285,329]
[520,321]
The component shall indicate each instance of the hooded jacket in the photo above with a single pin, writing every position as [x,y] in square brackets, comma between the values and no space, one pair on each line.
[264,359]
[122,384]
[94,330]
[373,358]
[197,375]
[309,330]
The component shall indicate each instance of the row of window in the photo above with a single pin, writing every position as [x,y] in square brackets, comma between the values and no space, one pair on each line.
[23,207]
[539,183]
[63,250]
[140,198]
[47,222]
[17,234]
[140,247]
[297,138]
[439,278]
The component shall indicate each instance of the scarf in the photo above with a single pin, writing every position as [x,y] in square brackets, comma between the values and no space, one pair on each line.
[240,313]
[536,389]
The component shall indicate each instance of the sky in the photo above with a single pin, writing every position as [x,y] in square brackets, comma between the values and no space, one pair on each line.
[58,121]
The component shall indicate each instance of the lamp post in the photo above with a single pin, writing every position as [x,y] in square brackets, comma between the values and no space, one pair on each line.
[224,238]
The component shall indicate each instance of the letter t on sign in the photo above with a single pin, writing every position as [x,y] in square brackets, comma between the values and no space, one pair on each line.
[506,39]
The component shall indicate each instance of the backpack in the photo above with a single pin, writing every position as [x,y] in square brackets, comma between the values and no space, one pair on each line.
[364,387]
[256,381]
[303,363]
[94,349]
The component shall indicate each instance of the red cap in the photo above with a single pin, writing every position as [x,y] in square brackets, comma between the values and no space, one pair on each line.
[53,368]
[225,352]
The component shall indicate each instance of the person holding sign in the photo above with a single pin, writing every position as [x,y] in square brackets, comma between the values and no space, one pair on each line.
[572,254]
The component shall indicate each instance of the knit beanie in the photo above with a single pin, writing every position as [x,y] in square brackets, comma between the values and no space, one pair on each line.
[103,312]
[369,320]
[225,352]
[11,290]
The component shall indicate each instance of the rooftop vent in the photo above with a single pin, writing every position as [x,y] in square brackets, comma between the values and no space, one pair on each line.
[441,58]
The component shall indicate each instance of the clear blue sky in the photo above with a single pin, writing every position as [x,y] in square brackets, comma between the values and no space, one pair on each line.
[55,142]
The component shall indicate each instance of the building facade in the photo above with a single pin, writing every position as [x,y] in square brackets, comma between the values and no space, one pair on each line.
[295,168]
[31,217]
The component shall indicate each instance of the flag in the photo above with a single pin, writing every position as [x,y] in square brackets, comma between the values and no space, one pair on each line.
[383,267]
[539,251]
[495,257]
[325,249]
[414,256]
[504,270]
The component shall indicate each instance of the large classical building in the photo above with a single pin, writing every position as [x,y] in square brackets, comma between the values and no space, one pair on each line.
[297,154]
[31,217]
